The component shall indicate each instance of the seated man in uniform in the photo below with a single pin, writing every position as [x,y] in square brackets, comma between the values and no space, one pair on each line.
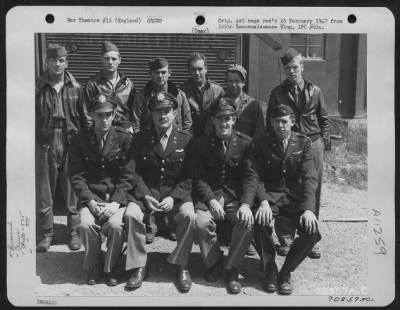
[224,186]
[160,72]
[286,189]
[160,157]
[102,173]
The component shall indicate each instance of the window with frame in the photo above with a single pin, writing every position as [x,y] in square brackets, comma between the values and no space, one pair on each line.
[311,46]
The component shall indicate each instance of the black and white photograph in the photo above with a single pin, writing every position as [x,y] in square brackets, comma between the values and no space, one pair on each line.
[228,157]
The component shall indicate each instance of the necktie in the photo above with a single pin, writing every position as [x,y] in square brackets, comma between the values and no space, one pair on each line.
[164,141]
[283,145]
[223,146]
[296,93]
[102,142]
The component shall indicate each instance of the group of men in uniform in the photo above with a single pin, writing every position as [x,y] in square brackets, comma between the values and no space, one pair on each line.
[196,156]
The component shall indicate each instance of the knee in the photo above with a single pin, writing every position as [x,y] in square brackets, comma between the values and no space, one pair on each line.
[202,221]
[86,219]
[187,215]
[114,225]
[133,211]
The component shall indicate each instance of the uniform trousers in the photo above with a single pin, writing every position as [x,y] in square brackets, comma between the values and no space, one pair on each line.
[113,229]
[206,231]
[317,149]
[302,245]
[51,166]
[184,218]
[284,230]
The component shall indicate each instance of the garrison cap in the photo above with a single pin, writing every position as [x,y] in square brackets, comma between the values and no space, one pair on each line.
[157,63]
[281,110]
[56,50]
[223,106]
[239,69]
[162,100]
[107,46]
[102,103]
[289,55]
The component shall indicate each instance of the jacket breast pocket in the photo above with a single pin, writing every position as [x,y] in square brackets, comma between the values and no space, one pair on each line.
[114,154]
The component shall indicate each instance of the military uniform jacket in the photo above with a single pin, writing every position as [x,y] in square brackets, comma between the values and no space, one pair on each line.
[103,175]
[141,114]
[250,117]
[285,173]
[124,92]
[200,102]
[72,96]
[164,172]
[215,173]
[311,119]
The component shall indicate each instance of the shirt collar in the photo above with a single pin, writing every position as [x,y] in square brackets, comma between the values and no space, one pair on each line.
[104,137]
[167,133]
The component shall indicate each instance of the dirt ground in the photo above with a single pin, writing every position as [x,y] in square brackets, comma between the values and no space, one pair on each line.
[343,263]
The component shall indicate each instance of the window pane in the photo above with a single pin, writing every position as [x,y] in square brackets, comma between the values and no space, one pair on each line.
[315,39]
[298,40]
[310,45]
[315,52]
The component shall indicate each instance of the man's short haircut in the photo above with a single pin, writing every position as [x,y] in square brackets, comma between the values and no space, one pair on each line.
[196,56]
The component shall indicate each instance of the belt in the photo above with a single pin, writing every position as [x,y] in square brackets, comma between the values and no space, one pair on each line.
[314,137]
[59,123]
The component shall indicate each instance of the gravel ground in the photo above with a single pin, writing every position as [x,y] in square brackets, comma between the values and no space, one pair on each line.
[343,264]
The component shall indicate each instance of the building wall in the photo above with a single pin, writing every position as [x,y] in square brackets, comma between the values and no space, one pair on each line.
[341,75]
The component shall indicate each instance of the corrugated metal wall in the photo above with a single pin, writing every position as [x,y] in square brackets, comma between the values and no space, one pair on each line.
[137,49]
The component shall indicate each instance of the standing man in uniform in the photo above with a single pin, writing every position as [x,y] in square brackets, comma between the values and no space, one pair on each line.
[224,186]
[200,92]
[160,74]
[110,81]
[60,113]
[307,102]
[286,190]
[102,172]
[160,155]
[250,117]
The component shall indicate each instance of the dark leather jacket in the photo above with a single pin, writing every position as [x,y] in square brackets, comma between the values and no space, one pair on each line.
[200,102]
[124,92]
[76,116]
[141,114]
[311,119]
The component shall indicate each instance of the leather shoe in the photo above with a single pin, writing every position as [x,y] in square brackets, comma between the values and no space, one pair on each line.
[111,278]
[44,244]
[283,250]
[232,281]
[183,279]
[314,253]
[284,285]
[150,238]
[74,243]
[94,275]
[214,272]
[270,282]
[251,251]
[136,278]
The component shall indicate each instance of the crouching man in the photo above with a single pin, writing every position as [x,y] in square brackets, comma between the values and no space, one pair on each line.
[286,189]
[160,154]
[224,186]
[102,173]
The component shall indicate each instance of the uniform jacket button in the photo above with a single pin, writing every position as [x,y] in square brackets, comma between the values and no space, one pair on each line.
[162,169]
